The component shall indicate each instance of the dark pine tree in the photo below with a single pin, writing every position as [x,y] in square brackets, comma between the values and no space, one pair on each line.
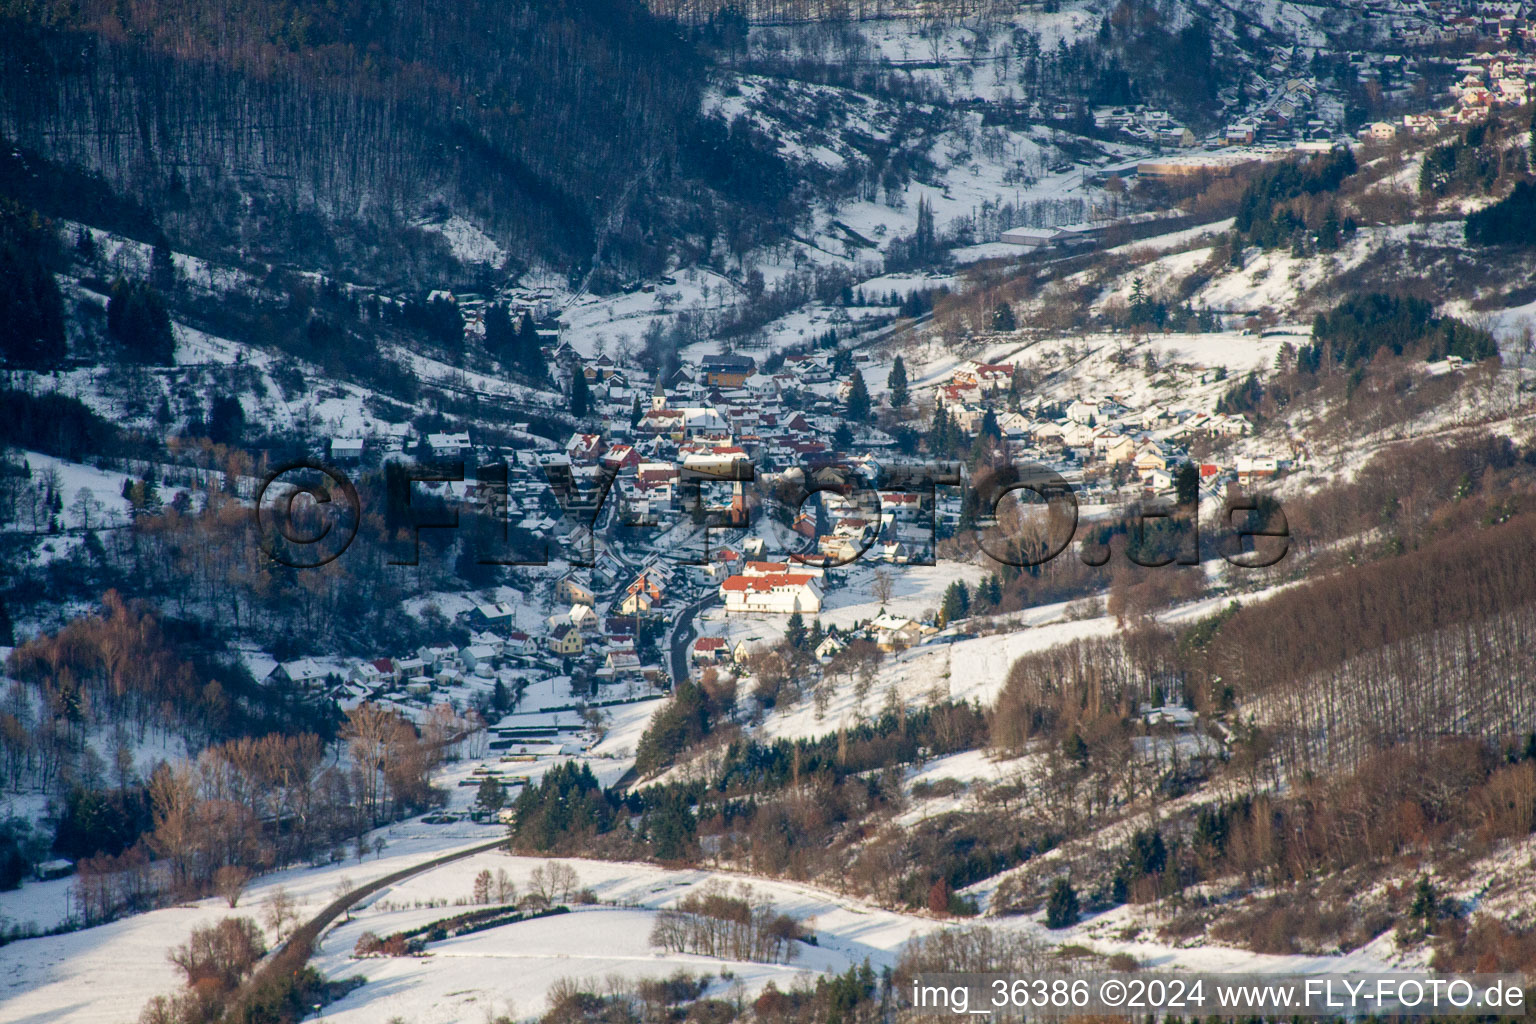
[446,323]
[941,436]
[925,238]
[1061,910]
[581,395]
[162,268]
[897,383]
[137,319]
[1186,483]
[501,338]
[990,428]
[31,311]
[794,631]
[530,355]
[226,420]
[858,399]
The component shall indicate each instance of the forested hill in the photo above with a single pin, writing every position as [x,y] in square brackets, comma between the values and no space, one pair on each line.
[302,131]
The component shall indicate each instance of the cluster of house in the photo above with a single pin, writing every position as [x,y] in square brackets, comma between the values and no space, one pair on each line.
[723,409]
[711,417]
[707,421]
[603,647]
[1293,113]
[397,437]
[722,414]
[1486,81]
[1431,22]
[1147,124]
[1495,80]
[1289,115]
[577,637]
[494,654]
[887,631]
[688,443]
[1098,434]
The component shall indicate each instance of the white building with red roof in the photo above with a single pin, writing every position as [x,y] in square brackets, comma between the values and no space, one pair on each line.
[778,594]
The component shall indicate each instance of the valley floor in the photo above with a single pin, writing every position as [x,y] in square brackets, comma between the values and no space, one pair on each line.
[104,975]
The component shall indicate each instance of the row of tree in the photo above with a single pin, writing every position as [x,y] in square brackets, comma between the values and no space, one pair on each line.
[713,922]
[260,802]
[31,309]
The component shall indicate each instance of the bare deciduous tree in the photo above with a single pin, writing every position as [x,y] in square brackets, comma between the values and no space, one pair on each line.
[230,882]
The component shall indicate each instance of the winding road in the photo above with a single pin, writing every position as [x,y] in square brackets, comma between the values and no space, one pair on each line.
[682,635]
[292,956]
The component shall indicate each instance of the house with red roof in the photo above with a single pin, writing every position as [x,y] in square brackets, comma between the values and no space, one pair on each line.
[584,447]
[778,594]
[621,457]
[707,649]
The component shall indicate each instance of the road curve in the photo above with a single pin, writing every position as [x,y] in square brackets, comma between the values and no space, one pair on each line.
[294,953]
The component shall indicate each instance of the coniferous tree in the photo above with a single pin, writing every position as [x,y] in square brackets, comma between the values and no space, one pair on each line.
[1061,910]
[581,395]
[1328,234]
[1426,903]
[137,319]
[794,631]
[31,311]
[226,420]
[925,240]
[1003,318]
[1186,483]
[446,323]
[858,399]
[897,383]
[941,434]
[162,268]
[501,338]
[990,428]
[530,354]
[1141,305]
[527,334]
[956,603]
[1510,221]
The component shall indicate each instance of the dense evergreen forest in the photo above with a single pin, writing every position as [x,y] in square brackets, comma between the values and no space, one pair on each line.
[570,131]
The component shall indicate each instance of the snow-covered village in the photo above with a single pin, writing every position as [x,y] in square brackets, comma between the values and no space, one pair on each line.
[770,512]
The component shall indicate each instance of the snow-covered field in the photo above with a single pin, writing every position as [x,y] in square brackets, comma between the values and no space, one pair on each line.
[512,966]
[103,975]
